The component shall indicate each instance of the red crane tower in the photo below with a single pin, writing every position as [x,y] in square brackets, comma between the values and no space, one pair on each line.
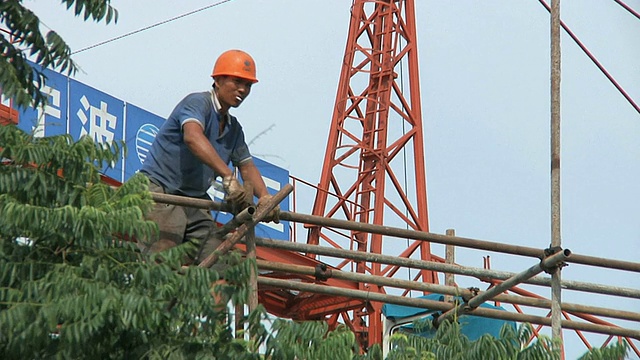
[374,161]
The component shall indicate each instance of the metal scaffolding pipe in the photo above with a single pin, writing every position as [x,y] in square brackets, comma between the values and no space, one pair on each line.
[405,233]
[430,265]
[550,262]
[449,258]
[442,306]
[241,218]
[446,290]
[244,228]
[190,202]
[253,276]
[455,240]
[250,241]
[556,239]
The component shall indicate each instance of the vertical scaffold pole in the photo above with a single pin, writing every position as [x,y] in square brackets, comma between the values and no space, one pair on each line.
[556,314]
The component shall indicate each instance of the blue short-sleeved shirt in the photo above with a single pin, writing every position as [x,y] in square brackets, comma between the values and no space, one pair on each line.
[174,166]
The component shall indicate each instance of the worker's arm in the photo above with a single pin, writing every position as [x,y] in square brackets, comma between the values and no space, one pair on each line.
[200,146]
[250,173]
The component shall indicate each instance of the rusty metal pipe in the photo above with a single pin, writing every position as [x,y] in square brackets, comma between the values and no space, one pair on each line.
[242,230]
[190,202]
[455,240]
[549,262]
[447,290]
[431,265]
[405,233]
[442,306]
[239,219]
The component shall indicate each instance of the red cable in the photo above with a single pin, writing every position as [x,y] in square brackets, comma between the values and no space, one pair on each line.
[628,8]
[595,61]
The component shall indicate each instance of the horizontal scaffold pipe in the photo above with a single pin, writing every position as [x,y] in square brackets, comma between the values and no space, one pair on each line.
[189,202]
[454,240]
[549,262]
[446,290]
[442,306]
[445,268]
[405,233]
[249,222]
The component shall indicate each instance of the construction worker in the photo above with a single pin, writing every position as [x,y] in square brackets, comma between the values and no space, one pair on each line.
[194,147]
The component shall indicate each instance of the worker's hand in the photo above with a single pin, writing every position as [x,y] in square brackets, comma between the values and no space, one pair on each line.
[235,193]
[274,214]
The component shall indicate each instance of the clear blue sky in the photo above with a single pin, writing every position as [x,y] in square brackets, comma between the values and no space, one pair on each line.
[484,72]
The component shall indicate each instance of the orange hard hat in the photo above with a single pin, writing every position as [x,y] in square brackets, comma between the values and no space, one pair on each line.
[235,63]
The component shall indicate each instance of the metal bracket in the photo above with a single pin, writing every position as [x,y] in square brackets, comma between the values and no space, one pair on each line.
[548,252]
[474,291]
[322,272]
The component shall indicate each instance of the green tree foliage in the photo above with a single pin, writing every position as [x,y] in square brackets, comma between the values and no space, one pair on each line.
[615,351]
[25,40]
[72,287]
[450,343]
[310,340]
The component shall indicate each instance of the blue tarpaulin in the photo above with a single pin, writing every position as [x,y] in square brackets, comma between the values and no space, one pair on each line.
[472,326]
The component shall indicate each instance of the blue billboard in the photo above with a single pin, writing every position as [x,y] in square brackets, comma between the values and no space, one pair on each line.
[140,131]
[99,116]
[275,178]
[51,119]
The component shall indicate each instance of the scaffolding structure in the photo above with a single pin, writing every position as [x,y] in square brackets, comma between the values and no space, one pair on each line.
[296,283]
[283,281]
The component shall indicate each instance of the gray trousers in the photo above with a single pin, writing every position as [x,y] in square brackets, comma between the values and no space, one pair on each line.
[180,224]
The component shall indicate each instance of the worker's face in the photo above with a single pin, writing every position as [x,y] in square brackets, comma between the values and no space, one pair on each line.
[232,90]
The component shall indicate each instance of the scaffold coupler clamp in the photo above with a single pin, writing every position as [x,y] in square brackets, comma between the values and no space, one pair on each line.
[551,250]
[322,272]
[473,292]
[434,319]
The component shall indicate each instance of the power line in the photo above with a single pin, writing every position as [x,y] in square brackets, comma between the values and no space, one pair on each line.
[595,61]
[150,27]
[628,8]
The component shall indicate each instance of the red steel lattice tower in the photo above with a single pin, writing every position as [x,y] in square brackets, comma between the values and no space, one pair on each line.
[374,167]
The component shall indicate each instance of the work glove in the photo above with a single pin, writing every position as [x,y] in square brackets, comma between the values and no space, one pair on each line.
[235,193]
[274,214]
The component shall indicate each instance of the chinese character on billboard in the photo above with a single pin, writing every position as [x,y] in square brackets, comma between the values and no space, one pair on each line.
[99,116]
[52,118]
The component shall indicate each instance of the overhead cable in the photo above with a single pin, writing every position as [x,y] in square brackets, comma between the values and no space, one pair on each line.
[595,61]
[628,8]
[149,27]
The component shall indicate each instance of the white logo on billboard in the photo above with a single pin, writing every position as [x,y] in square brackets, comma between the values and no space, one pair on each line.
[101,123]
[144,138]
